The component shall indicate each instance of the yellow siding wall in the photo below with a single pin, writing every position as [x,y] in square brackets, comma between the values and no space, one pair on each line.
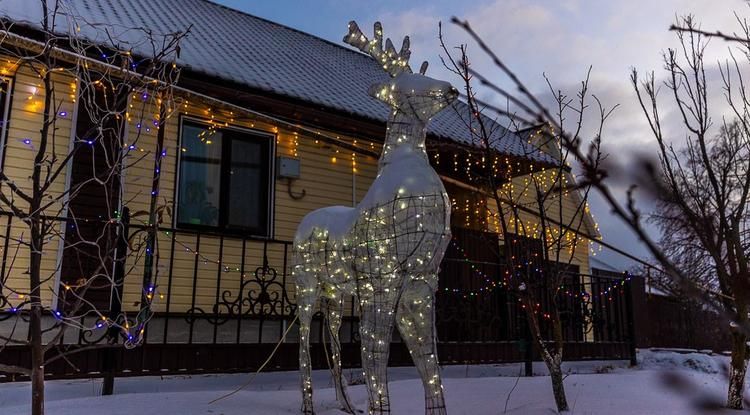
[27,104]
[521,191]
[325,182]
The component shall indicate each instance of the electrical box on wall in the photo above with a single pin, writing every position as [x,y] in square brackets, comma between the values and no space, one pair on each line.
[287,167]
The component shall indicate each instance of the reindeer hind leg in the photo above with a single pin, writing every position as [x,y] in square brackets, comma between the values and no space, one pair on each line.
[334,311]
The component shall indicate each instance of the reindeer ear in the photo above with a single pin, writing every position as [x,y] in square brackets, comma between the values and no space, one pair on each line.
[381,91]
[423,68]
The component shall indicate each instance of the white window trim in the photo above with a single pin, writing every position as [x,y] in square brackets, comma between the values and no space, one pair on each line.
[5,116]
[66,199]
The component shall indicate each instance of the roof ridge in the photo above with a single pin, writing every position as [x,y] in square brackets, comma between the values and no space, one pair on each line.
[281,25]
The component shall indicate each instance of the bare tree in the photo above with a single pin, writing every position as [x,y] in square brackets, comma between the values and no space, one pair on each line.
[104,77]
[705,185]
[678,240]
[703,203]
[541,211]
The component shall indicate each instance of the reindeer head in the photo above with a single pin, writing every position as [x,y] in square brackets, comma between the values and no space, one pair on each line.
[415,95]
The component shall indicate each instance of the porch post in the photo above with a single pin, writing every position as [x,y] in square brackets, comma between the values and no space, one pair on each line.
[528,350]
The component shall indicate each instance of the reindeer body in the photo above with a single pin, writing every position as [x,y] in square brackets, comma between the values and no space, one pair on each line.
[405,208]
[386,251]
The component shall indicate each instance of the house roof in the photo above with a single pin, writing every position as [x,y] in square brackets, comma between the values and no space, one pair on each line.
[238,47]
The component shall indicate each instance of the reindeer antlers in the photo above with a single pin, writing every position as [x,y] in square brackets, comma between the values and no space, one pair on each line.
[393,62]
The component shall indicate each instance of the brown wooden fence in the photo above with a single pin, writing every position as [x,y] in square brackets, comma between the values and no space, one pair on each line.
[669,322]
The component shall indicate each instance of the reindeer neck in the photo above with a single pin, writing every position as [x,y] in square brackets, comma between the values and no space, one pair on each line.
[403,134]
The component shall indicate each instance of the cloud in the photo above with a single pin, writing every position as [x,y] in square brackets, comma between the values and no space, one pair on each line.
[561,40]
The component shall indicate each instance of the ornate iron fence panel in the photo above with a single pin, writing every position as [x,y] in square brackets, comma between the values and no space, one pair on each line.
[205,321]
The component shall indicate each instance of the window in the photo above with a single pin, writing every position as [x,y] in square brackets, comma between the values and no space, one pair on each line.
[224,180]
[95,185]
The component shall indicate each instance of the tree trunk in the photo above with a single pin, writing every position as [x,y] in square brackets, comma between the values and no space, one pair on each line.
[551,354]
[36,227]
[554,362]
[35,320]
[37,362]
[558,388]
[737,370]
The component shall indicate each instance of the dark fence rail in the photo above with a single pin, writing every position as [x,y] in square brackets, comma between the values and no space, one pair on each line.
[671,322]
[478,321]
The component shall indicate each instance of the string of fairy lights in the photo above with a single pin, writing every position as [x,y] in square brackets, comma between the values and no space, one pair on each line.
[602,292]
[473,211]
[294,151]
[33,103]
[518,190]
[144,124]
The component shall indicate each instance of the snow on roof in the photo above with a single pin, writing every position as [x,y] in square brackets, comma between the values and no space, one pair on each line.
[236,46]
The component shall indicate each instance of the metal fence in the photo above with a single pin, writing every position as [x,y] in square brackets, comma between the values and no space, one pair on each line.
[236,329]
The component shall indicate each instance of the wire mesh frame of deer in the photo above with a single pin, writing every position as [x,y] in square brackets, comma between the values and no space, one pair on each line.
[399,263]
[390,261]
[387,249]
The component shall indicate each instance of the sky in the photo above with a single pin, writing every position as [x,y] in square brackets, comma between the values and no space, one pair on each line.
[557,38]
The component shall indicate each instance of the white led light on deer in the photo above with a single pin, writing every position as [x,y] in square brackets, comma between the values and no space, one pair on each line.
[386,251]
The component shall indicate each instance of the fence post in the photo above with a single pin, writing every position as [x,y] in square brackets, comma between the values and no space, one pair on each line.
[115,307]
[631,322]
[527,347]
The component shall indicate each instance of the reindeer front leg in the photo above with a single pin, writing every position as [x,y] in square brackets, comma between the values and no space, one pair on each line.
[416,323]
[306,297]
[377,314]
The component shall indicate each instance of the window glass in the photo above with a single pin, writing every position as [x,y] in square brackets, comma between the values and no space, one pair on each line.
[247,197]
[224,179]
[200,176]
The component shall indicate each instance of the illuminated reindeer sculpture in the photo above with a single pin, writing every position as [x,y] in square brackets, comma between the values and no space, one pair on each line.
[385,251]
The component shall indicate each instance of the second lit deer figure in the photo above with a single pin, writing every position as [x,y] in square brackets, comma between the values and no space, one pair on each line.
[387,250]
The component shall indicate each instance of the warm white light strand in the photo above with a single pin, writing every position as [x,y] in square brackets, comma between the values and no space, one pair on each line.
[387,250]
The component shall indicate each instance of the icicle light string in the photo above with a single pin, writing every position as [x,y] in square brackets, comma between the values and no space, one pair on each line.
[547,176]
[543,176]
[216,120]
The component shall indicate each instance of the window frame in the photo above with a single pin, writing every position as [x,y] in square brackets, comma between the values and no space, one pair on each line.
[267,141]
[5,108]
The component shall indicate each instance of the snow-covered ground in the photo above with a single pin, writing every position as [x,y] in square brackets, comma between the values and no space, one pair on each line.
[592,388]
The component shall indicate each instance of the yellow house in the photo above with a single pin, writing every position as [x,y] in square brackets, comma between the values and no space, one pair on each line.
[267,124]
